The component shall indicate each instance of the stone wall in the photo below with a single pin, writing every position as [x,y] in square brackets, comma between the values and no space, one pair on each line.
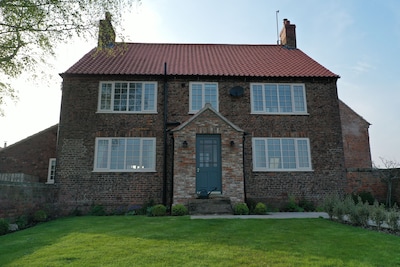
[30,155]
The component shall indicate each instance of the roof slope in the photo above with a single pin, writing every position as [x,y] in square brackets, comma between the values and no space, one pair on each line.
[200,59]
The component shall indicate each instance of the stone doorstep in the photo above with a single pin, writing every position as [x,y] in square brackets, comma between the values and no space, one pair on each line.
[212,205]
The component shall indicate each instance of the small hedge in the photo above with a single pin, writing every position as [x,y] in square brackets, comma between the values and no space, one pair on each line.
[260,209]
[158,210]
[40,216]
[3,227]
[179,210]
[241,209]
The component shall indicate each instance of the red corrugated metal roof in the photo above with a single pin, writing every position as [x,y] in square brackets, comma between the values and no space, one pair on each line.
[200,59]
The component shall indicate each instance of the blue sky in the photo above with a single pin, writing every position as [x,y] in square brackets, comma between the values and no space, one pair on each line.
[356,39]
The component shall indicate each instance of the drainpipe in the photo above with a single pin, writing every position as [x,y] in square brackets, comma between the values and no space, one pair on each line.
[172,169]
[164,197]
[244,168]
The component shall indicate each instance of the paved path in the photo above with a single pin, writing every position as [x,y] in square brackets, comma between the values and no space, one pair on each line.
[272,215]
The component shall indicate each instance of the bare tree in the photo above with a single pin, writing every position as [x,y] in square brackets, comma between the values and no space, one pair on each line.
[389,174]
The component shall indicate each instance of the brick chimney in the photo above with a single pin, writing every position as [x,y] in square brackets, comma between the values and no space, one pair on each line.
[106,33]
[288,34]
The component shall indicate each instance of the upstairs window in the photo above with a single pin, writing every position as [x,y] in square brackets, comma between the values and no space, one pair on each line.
[281,154]
[201,94]
[125,154]
[128,97]
[268,98]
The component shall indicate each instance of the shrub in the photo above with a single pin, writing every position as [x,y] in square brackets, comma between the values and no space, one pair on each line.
[134,210]
[251,204]
[378,214]
[40,216]
[241,209]
[22,221]
[393,218]
[306,205]
[158,210]
[260,208]
[4,227]
[292,206]
[339,210]
[363,197]
[329,204]
[97,210]
[359,214]
[179,210]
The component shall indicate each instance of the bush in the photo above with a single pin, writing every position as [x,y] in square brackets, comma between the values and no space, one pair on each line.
[40,216]
[393,218]
[179,210]
[251,204]
[22,221]
[158,210]
[4,227]
[260,208]
[292,206]
[134,210]
[359,214]
[339,210]
[97,210]
[241,209]
[363,197]
[329,204]
[306,205]
[378,214]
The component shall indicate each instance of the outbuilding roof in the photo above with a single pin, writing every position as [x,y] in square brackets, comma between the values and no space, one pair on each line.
[200,59]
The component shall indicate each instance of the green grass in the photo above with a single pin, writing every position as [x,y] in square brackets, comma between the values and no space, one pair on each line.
[179,241]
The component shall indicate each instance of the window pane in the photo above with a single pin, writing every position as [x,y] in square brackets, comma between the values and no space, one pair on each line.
[105,98]
[288,154]
[258,102]
[210,95]
[120,96]
[285,98]
[274,153]
[148,154]
[298,98]
[302,147]
[196,96]
[260,159]
[117,154]
[271,98]
[149,97]
[102,154]
[135,97]
[133,153]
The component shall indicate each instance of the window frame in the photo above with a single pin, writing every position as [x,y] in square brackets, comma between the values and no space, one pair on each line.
[51,173]
[109,151]
[112,98]
[193,111]
[280,105]
[281,156]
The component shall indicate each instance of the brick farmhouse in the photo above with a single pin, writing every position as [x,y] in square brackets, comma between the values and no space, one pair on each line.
[168,122]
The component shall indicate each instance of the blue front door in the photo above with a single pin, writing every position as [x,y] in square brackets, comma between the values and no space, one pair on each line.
[208,163]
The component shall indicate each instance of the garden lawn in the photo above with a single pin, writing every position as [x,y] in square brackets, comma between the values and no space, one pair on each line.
[180,241]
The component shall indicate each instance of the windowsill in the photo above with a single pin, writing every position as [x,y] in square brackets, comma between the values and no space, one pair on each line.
[277,113]
[118,171]
[126,112]
[283,170]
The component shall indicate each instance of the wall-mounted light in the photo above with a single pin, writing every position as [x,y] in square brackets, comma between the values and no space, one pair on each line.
[185,144]
[232,143]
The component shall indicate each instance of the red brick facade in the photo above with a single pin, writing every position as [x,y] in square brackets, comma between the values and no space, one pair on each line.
[80,124]
[31,155]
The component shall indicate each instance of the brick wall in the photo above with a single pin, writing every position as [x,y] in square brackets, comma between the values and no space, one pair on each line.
[21,194]
[356,146]
[80,125]
[30,155]
[208,122]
